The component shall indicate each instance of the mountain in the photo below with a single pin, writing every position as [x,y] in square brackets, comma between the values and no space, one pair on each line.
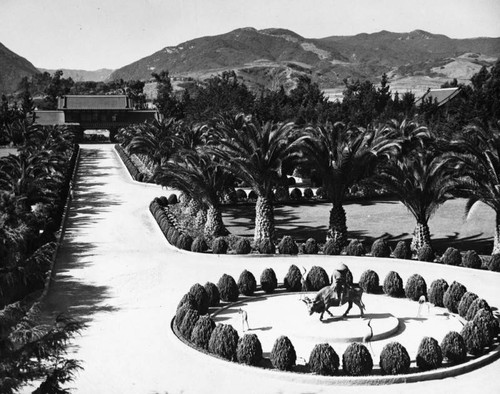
[272,57]
[83,75]
[12,69]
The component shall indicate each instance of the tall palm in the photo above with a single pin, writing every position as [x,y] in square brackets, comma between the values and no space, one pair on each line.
[343,156]
[254,153]
[201,178]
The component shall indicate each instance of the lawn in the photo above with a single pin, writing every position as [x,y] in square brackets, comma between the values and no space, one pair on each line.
[371,220]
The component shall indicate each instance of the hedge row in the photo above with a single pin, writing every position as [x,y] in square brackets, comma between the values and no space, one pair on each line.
[168,222]
[134,171]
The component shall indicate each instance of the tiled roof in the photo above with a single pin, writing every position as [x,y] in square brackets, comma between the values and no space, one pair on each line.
[46,118]
[113,102]
[441,96]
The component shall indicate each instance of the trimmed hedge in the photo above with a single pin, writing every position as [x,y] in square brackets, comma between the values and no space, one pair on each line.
[453,295]
[436,292]
[415,287]
[475,306]
[316,279]
[200,298]
[402,251]
[296,194]
[472,260]
[223,342]
[380,248]
[266,246]
[184,241]
[355,248]
[228,289]
[465,303]
[425,253]
[213,294]
[293,279]
[323,360]
[394,359]
[249,350]
[369,281]
[288,246]
[453,347]
[474,338]
[220,246]
[247,283]
[268,280]
[187,299]
[332,248]
[199,245]
[429,354]
[494,263]
[393,285]
[241,195]
[485,320]
[200,336]
[452,256]
[357,360]
[308,193]
[283,356]
[188,322]
[243,246]
[179,315]
[311,246]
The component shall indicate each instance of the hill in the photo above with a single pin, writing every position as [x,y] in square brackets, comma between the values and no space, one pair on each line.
[12,69]
[83,75]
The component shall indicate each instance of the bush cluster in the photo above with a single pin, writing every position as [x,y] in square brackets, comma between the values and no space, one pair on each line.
[266,246]
[311,246]
[247,283]
[188,322]
[268,280]
[380,248]
[355,248]
[475,306]
[494,263]
[453,295]
[316,279]
[219,245]
[394,359]
[357,360]
[293,279]
[323,360]
[429,354]
[184,241]
[129,164]
[369,281]
[200,336]
[332,248]
[199,245]
[223,342]
[228,289]
[465,303]
[283,356]
[436,292]
[288,246]
[393,285]
[166,221]
[452,256]
[415,287]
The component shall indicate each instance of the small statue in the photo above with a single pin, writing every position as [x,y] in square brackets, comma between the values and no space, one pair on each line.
[422,302]
[244,319]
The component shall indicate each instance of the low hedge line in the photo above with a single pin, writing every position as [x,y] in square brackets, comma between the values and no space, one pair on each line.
[134,171]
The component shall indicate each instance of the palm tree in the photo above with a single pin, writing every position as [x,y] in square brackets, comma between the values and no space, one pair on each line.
[255,153]
[343,156]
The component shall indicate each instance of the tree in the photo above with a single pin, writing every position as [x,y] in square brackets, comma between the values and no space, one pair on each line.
[359,103]
[165,101]
[57,87]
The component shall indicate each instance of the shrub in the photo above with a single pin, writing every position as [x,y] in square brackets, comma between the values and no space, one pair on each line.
[357,360]
[394,359]
[355,248]
[296,194]
[429,354]
[252,195]
[393,285]
[175,234]
[241,194]
[282,193]
[213,293]
[187,299]
[199,245]
[249,350]
[308,193]
[453,347]
[223,342]
[172,199]
[425,253]
[321,193]
[485,320]
[324,360]
[200,336]
[242,246]
[288,246]
[219,245]
[316,279]
[200,298]
[228,288]
[380,248]
[453,295]
[293,279]
[332,248]
[472,260]
[452,256]
[465,303]
[163,201]
[179,315]
[247,283]
[311,246]
[436,292]
[369,281]
[494,263]
[291,181]
[476,305]
[402,251]
[283,354]
[184,242]
[415,287]
[188,322]
[266,246]
[268,280]
[474,338]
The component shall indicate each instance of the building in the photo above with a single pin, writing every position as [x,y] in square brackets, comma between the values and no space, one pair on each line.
[440,96]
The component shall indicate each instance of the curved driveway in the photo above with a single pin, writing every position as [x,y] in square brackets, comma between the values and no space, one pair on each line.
[116,271]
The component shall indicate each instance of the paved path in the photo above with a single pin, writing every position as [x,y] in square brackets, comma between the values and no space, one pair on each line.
[116,271]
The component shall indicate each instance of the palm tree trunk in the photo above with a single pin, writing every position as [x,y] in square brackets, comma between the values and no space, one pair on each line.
[214,226]
[264,219]
[338,227]
[496,239]
[421,236]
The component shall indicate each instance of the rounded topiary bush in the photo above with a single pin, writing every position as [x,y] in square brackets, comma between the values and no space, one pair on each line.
[174,236]
[380,248]
[283,354]
[415,287]
[472,260]
[163,201]
[332,248]
[402,251]
[223,342]
[393,285]
[369,281]
[316,279]
[357,360]
[243,246]
[494,263]
[282,193]
[266,246]
[485,320]
[321,193]
[172,199]
[268,280]
[288,246]
[228,289]
[394,359]
[453,347]
[252,195]
[249,350]
[219,245]
[241,194]
[355,248]
[474,338]
[475,306]
[296,194]
[180,313]
[311,246]
[436,292]
[425,253]
[200,298]
[465,303]
[293,279]
[199,245]
[213,294]
[452,256]
[324,360]
[187,299]
[200,336]
[308,193]
[188,322]
[247,283]
[453,295]
[184,241]
[429,354]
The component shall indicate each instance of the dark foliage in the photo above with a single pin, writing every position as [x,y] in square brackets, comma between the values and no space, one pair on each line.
[475,306]
[369,281]
[268,280]
[402,251]
[213,294]
[243,246]
[453,347]
[223,342]
[308,193]
[200,298]
[241,194]
[332,248]
[249,350]
[474,338]
[425,253]
[228,289]
[188,322]
[283,354]
[355,248]
[324,360]
[199,245]
[172,199]
[184,241]
[394,359]
[357,360]
[488,324]
[321,193]
[219,245]
[316,279]
[288,246]
[200,336]
[415,287]
[452,256]
[296,194]
[436,292]
[266,246]
[465,303]
[247,283]
[472,260]
[429,354]
[453,295]
[293,279]
[494,263]
[311,246]
[380,248]
[188,300]
[393,285]
[179,315]
[252,196]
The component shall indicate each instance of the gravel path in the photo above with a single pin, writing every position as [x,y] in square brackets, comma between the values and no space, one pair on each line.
[116,271]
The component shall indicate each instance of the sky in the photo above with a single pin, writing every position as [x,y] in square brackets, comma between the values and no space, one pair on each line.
[94,34]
